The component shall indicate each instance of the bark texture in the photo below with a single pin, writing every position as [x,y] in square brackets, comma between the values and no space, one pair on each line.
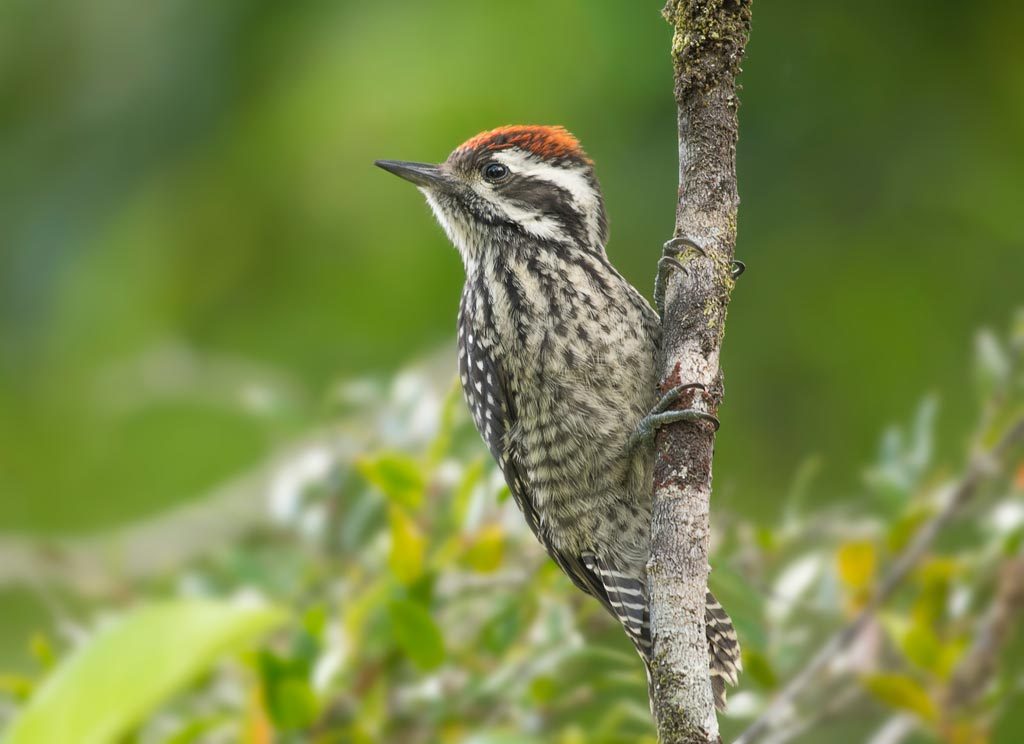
[707,47]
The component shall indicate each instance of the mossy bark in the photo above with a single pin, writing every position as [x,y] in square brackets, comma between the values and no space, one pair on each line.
[707,46]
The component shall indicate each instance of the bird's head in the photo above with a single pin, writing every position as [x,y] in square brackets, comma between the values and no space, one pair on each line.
[516,185]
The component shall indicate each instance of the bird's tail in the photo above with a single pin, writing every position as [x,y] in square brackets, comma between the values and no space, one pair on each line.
[723,651]
[627,599]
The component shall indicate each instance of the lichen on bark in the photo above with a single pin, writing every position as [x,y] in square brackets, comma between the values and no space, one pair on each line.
[708,42]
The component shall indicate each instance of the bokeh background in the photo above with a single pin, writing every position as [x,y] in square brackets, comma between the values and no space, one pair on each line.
[204,284]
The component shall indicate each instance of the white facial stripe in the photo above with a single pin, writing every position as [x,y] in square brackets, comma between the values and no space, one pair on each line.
[461,235]
[542,227]
[567,178]
[572,180]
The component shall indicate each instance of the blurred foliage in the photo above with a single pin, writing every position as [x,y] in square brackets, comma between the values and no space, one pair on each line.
[424,611]
[101,693]
[195,250]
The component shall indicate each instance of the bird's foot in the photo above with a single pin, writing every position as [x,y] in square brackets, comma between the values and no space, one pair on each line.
[661,415]
[669,261]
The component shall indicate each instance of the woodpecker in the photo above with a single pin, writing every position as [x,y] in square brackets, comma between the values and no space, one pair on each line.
[558,359]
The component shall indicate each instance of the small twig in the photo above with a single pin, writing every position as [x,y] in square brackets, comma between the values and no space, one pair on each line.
[833,709]
[975,671]
[895,730]
[979,470]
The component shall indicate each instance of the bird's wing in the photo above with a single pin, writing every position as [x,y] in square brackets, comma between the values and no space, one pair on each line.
[493,410]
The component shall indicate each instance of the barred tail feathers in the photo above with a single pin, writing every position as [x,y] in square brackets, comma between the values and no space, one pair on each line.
[627,599]
[723,650]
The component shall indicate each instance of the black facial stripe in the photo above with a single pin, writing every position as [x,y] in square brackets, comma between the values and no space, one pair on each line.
[531,193]
[481,209]
[534,195]
[539,195]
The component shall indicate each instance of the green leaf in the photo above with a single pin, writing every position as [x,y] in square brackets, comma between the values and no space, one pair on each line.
[919,643]
[408,546]
[486,549]
[417,634]
[130,668]
[922,647]
[901,692]
[544,689]
[856,562]
[290,700]
[766,539]
[903,459]
[398,476]
[292,703]
[1015,538]
[314,621]
[935,579]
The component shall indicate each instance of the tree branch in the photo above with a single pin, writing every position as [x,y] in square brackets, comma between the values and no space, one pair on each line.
[707,46]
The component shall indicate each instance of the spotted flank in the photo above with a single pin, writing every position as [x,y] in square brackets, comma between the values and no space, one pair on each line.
[492,411]
[482,389]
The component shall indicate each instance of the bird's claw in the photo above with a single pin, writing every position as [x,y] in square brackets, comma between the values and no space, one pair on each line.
[660,415]
[670,253]
[669,261]
[676,246]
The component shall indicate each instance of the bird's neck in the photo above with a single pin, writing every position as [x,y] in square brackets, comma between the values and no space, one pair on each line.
[525,295]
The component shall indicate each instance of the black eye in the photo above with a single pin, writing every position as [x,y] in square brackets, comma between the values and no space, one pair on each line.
[495,171]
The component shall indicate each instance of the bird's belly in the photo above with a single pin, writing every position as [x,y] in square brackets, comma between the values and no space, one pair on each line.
[586,487]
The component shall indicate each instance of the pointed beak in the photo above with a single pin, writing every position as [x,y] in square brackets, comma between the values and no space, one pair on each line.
[421,174]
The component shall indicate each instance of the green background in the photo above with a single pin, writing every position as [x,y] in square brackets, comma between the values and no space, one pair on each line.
[195,247]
